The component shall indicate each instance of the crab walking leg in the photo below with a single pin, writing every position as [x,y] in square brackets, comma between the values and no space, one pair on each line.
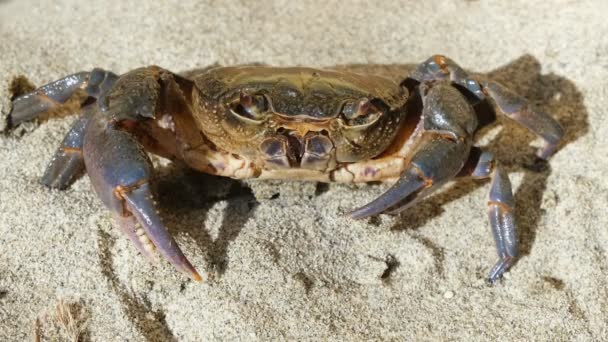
[500,209]
[504,229]
[516,108]
[51,95]
[442,68]
[506,101]
[68,162]
[120,172]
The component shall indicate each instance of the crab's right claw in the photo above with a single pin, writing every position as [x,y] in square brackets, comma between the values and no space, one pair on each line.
[140,204]
[120,172]
[439,154]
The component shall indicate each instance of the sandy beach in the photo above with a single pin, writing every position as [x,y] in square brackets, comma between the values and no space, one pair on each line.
[284,261]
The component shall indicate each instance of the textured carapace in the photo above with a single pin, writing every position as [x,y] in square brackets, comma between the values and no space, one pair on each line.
[298,117]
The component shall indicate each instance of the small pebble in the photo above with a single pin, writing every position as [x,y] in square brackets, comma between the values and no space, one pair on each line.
[448,295]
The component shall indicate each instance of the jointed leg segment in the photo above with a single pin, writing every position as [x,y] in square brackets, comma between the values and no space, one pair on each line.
[51,95]
[507,102]
[500,209]
[67,164]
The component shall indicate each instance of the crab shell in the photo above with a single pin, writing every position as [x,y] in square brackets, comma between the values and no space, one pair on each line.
[283,119]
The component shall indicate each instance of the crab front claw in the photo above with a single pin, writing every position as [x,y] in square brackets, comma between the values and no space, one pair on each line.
[116,163]
[120,172]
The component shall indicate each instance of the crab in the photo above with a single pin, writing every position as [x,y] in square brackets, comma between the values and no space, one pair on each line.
[287,123]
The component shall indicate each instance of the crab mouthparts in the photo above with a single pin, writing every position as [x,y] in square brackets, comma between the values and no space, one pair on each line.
[291,149]
[295,146]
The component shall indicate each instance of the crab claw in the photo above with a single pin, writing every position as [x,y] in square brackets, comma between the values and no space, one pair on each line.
[129,226]
[139,203]
[120,172]
[407,185]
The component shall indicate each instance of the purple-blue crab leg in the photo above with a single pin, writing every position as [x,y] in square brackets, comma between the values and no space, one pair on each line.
[507,102]
[517,108]
[67,164]
[31,105]
[500,209]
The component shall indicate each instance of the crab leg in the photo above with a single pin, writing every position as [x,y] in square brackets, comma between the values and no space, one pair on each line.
[516,108]
[507,102]
[29,106]
[68,163]
[500,209]
[504,229]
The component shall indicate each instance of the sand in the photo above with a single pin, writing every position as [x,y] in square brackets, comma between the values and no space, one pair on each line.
[285,264]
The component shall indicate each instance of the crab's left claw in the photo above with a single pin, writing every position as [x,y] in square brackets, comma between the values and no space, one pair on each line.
[121,173]
[441,151]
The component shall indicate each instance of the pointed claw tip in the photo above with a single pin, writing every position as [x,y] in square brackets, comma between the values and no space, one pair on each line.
[191,272]
[362,213]
[197,277]
[355,214]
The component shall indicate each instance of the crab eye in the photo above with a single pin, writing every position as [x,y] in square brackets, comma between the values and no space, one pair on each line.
[361,113]
[252,107]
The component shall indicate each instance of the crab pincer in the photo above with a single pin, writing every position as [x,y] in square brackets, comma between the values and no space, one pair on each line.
[121,172]
[99,142]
